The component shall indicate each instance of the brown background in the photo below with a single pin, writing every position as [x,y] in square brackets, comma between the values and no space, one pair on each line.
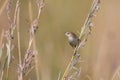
[101,53]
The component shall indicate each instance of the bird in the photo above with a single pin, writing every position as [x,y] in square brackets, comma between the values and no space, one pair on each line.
[72,39]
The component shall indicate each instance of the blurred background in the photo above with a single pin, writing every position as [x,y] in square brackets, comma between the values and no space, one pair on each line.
[101,53]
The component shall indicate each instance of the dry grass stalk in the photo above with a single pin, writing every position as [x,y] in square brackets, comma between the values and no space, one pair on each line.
[9,36]
[72,71]
[1,41]
[3,6]
[116,75]
[29,56]
[40,5]
[31,53]
[1,52]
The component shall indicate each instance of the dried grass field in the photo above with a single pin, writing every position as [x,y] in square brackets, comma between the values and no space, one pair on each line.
[33,45]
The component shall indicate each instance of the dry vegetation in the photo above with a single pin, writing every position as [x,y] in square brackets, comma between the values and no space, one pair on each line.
[30,52]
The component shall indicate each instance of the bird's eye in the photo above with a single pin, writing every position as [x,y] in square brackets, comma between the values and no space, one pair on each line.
[67,33]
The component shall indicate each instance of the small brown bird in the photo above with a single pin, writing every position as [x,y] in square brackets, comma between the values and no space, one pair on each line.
[72,39]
